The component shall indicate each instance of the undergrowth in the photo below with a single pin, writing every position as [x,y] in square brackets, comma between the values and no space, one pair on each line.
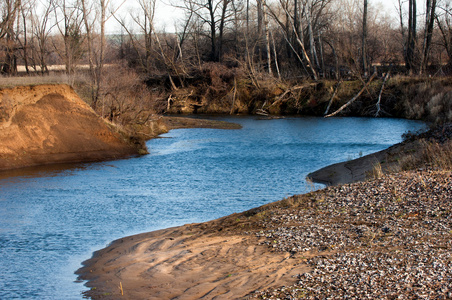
[431,154]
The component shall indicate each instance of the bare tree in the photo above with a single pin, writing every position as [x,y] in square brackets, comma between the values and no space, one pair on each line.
[215,15]
[142,43]
[429,21]
[41,29]
[88,22]
[305,60]
[8,10]
[96,44]
[267,39]
[444,21]
[69,22]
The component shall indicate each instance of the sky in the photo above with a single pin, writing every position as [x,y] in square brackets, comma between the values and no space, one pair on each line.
[166,15]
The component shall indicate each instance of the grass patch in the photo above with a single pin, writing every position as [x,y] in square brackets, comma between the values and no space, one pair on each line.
[432,154]
[54,78]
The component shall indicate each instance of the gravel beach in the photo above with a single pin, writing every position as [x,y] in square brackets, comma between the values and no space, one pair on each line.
[388,239]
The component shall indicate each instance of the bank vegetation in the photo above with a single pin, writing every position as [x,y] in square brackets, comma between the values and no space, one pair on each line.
[236,57]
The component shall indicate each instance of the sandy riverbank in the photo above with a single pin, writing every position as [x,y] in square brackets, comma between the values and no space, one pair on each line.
[49,124]
[373,238]
[378,238]
[208,260]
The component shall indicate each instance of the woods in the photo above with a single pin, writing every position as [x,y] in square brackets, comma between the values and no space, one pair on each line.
[259,40]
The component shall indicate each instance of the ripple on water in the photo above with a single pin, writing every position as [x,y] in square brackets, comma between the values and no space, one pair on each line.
[52,218]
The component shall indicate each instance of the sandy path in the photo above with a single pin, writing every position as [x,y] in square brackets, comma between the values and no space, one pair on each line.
[187,262]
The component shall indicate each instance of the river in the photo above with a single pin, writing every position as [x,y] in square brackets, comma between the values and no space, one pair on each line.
[53,218]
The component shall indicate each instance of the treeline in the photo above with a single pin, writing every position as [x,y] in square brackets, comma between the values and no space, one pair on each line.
[284,39]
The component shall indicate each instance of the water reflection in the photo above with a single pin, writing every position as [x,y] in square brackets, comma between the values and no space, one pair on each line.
[43,171]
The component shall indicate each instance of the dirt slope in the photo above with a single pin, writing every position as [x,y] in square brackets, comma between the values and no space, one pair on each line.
[49,124]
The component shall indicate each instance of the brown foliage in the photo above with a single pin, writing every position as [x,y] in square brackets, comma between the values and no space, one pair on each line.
[126,99]
[429,100]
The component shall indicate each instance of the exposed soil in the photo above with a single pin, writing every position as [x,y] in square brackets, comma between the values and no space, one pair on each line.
[49,124]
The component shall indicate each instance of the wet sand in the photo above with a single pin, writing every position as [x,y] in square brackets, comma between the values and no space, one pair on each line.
[196,261]
[366,167]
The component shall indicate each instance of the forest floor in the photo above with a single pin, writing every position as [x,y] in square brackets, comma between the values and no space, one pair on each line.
[385,237]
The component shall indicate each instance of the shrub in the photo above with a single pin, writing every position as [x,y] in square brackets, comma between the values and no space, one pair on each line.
[125,97]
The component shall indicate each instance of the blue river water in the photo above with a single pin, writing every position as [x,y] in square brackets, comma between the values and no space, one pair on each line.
[53,218]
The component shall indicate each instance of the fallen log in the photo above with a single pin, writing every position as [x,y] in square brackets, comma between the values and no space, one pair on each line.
[354,98]
[379,96]
[332,97]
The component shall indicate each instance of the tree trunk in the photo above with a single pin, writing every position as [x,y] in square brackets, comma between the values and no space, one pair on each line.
[446,32]
[296,20]
[259,18]
[267,39]
[89,44]
[213,31]
[7,31]
[312,48]
[411,41]
[364,40]
[275,56]
[25,45]
[429,21]
[221,29]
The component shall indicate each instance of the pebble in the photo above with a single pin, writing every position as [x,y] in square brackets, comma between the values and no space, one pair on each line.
[390,238]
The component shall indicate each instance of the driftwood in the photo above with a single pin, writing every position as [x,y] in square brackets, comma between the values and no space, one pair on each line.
[332,97]
[233,96]
[170,101]
[262,112]
[354,98]
[379,96]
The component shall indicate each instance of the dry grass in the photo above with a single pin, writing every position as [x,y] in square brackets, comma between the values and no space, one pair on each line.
[53,78]
[430,100]
[431,154]
[377,171]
